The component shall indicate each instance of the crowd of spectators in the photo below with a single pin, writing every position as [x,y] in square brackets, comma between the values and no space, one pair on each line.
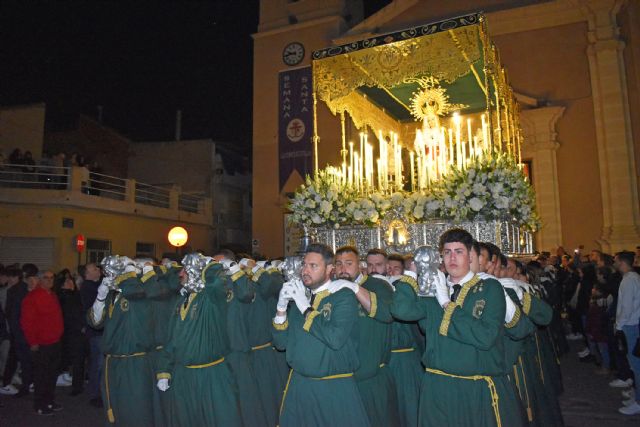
[598,295]
[44,337]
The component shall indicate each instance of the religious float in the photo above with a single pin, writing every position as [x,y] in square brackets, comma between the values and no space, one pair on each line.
[439,143]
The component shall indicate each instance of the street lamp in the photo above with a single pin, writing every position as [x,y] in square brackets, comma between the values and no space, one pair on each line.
[178,237]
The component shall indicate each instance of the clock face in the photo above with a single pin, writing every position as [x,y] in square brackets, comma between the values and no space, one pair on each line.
[293,53]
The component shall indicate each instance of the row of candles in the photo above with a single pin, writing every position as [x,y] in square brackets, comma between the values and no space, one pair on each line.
[436,151]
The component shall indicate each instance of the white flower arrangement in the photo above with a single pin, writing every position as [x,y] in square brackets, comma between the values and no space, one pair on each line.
[489,189]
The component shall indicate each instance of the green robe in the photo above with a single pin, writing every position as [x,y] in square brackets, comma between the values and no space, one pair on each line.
[465,383]
[202,389]
[244,292]
[264,357]
[407,345]
[322,352]
[373,377]
[541,363]
[277,280]
[127,383]
[516,333]
[162,292]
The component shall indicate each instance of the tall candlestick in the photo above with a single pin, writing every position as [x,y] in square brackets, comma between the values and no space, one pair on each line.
[350,162]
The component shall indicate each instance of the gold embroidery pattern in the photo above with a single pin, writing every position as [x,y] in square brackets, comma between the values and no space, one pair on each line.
[446,319]
[316,303]
[124,304]
[257,274]
[410,281]
[374,304]
[282,326]
[235,276]
[515,319]
[184,310]
[526,303]
[123,277]
[148,275]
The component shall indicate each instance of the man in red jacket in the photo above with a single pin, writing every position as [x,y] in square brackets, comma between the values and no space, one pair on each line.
[41,321]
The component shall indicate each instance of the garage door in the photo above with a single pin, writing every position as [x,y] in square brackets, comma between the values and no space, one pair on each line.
[22,250]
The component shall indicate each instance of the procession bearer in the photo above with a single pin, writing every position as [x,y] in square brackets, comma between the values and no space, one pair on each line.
[193,367]
[317,335]
[122,308]
[464,383]
[374,378]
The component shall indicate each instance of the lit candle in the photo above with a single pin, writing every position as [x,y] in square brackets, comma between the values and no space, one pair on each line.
[469,138]
[412,166]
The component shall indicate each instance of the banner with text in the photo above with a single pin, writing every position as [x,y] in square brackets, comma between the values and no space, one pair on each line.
[295,123]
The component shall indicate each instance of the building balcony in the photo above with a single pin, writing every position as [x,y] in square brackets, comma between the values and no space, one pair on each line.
[77,187]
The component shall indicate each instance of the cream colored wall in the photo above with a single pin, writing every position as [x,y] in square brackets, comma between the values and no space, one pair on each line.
[551,65]
[122,230]
[165,163]
[22,127]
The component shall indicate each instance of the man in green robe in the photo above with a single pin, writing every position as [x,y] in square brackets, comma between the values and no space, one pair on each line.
[373,377]
[122,308]
[241,293]
[407,344]
[317,333]
[193,366]
[464,383]
[263,356]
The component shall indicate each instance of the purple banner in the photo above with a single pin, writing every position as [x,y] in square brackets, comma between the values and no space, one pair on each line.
[295,123]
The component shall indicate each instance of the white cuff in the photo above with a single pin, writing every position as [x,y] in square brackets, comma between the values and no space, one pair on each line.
[279,320]
[411,274]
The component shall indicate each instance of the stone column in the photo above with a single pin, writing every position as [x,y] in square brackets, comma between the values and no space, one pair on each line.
[621,227]
[539,127]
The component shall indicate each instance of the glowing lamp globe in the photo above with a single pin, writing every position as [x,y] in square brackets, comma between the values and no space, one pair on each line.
[178,236]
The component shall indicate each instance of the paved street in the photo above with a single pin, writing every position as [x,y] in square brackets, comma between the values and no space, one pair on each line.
[587,402]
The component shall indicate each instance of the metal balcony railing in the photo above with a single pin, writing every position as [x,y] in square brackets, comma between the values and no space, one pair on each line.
[34,176]
[153,196]
[80,179]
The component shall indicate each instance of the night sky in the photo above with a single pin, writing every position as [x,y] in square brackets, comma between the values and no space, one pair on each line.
[140,60]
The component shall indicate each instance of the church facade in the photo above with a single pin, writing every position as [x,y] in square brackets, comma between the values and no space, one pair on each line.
[574,66]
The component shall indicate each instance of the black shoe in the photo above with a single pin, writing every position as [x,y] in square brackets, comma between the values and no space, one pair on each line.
[55,407]
[587,359]
[44,411]
[21,393]
[96,402]
[76,392]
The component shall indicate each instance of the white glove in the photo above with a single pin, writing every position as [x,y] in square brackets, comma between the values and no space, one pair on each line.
[163,384]
[298,294]
[103,291]
[442,290]
[231,267]
[525,286]
[244,262]
[336,285]
[276,263]
[131,268]
[512,284]
[98,305]
[261,264]
[283,297]
[510,308]
[167,263]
